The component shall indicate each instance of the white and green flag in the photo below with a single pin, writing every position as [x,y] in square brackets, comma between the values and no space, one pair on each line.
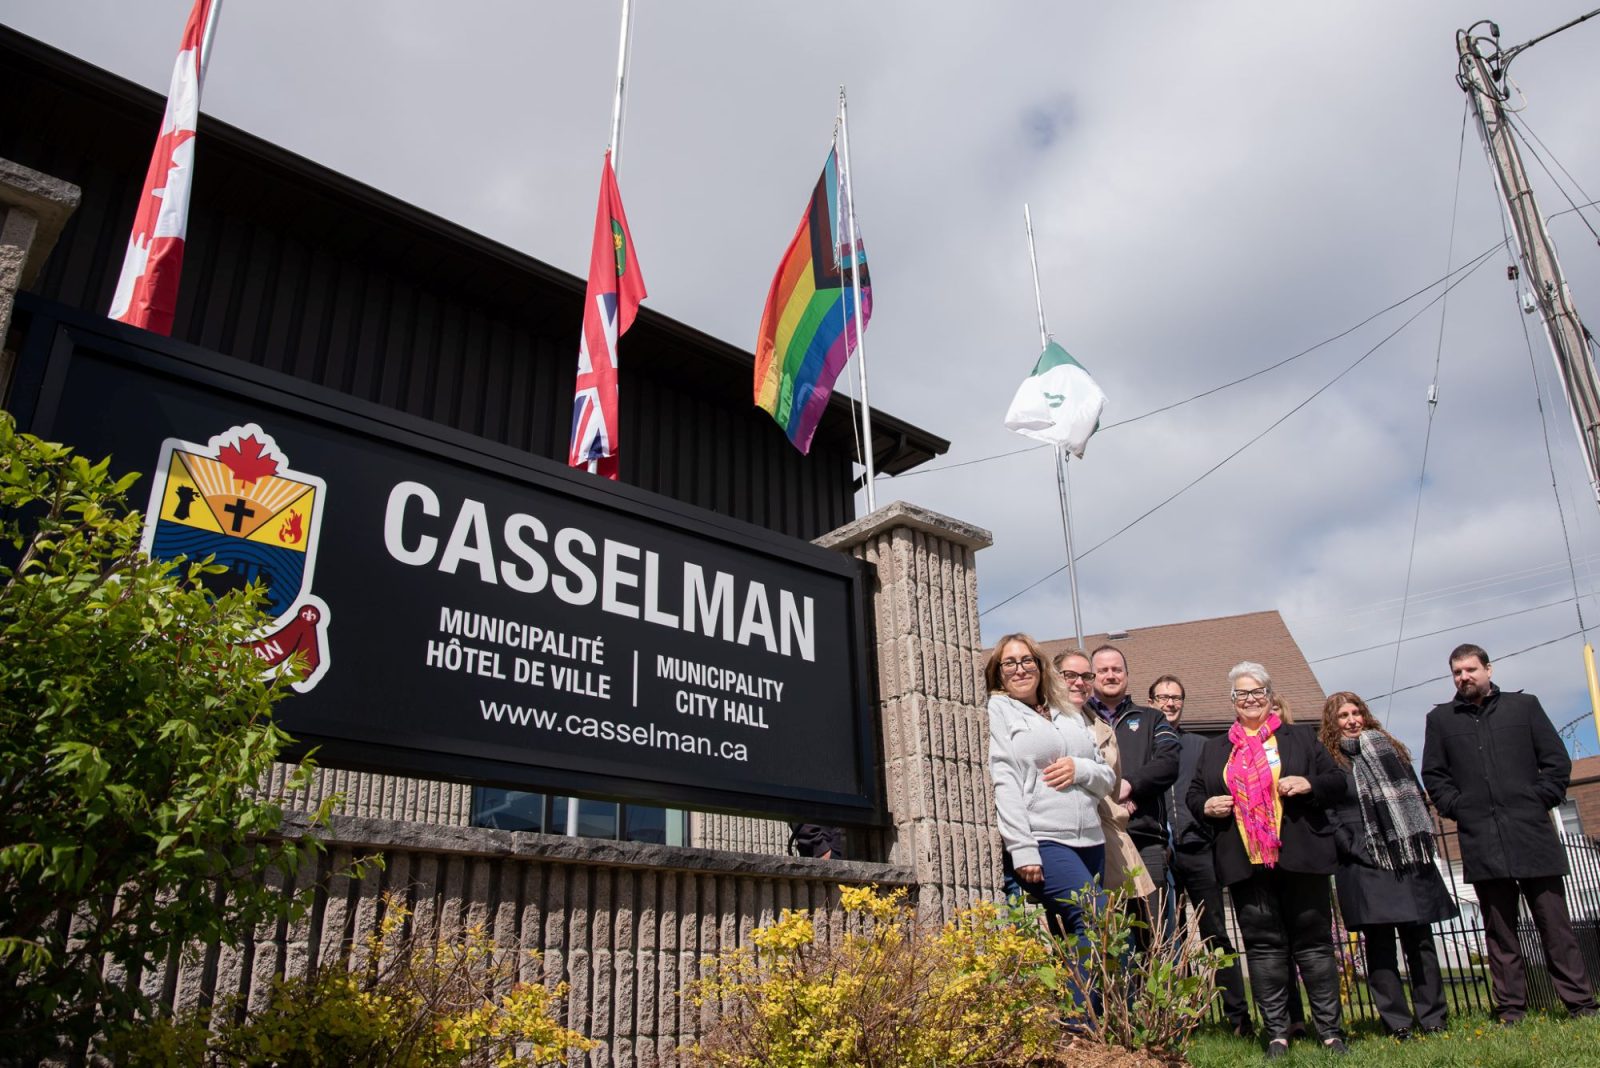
[1058,402]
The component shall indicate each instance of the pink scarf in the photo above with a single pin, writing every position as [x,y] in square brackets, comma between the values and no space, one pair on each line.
[1249,778]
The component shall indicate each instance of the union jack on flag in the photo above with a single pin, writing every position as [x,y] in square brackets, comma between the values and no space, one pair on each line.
[615,289]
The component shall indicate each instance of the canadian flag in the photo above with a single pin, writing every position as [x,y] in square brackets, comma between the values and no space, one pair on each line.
[147,290]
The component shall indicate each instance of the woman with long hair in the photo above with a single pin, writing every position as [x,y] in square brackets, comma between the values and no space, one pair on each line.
[1048,780]
[1388,883]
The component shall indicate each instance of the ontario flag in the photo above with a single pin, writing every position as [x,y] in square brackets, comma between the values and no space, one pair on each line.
[615,289]
[147,290]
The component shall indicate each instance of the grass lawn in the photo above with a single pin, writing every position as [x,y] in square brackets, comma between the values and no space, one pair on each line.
[1472,1042]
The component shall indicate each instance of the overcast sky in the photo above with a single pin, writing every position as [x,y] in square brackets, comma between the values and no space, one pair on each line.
[1215,187]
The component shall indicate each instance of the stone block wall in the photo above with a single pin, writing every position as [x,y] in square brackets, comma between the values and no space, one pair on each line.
[931,702]
[625,925]
[388,797]
[33,209]
[741,834]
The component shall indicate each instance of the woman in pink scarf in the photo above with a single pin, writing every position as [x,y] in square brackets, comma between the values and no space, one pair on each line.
[1264,791]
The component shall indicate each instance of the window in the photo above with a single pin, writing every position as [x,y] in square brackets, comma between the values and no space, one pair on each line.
[1567,821]
[518,810]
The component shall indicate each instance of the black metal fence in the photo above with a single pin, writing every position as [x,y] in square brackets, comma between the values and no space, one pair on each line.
[1463,958]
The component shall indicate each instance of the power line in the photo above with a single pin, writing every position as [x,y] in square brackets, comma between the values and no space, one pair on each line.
[1523,131]
[1480,261]
[1460,588]
[1497,659]
[1443,630]
[1468,266]
[1433,407]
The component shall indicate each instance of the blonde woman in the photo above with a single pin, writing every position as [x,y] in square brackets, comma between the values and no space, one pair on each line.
[1122,856]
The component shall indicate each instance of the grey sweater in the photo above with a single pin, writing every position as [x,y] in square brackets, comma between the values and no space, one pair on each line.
[1022,744]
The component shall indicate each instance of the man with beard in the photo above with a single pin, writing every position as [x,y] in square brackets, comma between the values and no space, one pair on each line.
[1492,762]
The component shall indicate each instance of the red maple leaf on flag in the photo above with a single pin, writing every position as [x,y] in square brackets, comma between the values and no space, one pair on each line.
[247,460]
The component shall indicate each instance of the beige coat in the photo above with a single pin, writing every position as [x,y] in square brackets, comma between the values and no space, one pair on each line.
[1121,854]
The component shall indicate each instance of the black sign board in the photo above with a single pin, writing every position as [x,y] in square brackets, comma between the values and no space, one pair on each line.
[472,612]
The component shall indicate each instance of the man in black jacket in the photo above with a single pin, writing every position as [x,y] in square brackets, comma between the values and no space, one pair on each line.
[1150,751]
[1492,762]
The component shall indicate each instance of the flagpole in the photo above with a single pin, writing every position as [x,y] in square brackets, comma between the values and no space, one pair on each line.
[624,42]
[614,148]
[855,291]
[213,13]
[1063,483]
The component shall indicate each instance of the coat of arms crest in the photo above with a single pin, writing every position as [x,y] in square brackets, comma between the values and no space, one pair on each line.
[235,498]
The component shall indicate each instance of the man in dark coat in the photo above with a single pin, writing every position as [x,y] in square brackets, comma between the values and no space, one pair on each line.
[1149,747]
[1493,763]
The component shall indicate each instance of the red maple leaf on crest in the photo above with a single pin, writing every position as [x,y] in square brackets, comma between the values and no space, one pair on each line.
[246,460]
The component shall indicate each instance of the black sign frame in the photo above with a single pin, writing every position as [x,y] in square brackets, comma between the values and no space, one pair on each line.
[60,343]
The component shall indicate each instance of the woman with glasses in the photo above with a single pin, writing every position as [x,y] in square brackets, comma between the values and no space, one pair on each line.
[1048,780]
[1387,882]
[1122,856]
[1265,789]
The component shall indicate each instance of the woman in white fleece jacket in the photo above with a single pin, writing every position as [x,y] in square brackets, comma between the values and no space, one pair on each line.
[1048,780]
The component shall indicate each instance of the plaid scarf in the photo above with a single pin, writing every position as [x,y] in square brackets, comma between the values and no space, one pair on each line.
[1249,778]
[1399,832]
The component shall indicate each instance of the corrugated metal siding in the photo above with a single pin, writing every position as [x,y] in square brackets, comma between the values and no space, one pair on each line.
[293,271]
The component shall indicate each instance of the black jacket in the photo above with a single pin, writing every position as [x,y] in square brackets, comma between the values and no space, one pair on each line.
[1189,835]
[1370,896]
[1150,750]
[1306,832]
[1497,770]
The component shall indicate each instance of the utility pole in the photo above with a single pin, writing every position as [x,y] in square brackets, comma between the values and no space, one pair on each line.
[1481,76]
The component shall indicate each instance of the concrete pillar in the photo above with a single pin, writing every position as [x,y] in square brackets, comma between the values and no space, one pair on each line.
[934,727]
[33,209]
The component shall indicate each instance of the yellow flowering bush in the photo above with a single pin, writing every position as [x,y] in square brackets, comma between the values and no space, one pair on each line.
[414,1004]
[890,992]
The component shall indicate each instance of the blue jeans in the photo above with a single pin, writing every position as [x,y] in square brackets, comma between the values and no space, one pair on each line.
[1067,870]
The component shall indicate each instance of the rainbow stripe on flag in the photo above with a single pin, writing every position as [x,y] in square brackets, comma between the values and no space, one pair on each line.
[808,329]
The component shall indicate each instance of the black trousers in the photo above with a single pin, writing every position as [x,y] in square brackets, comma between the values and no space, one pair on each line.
[1196,877]
[1547,901]
[1383,976]
[1286,915]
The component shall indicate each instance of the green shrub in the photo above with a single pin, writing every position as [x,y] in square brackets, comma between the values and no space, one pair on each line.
[134,728]
[1152,1000]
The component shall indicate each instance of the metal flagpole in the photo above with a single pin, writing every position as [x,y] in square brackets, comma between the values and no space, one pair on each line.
[855,290]
[615,148]
[1063,482]
[206,36]
[615,145]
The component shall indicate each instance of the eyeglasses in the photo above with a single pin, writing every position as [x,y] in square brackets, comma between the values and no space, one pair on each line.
[1074,676]
[1168,698]
[1246,697]
[1011,666]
